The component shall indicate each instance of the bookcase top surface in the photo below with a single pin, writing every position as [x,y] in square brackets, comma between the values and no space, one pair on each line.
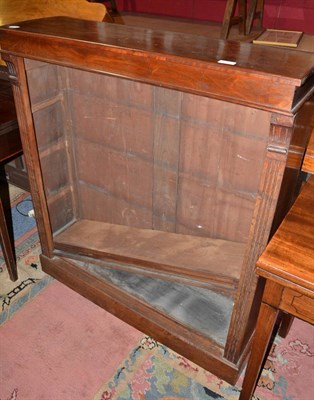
[152,56]
[282,62]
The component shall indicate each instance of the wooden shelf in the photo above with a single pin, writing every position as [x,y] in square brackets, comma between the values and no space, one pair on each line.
[203,310]
[214,261]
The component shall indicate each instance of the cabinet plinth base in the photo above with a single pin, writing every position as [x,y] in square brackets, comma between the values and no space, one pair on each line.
[186,341]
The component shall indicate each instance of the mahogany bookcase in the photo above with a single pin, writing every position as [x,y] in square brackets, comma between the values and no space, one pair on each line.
[159,164]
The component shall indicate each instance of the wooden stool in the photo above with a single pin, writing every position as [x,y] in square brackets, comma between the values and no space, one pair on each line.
[231,19]
[256,12]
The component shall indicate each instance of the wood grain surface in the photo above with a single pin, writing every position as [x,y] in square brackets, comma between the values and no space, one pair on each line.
[290,254]
[196,257]
[263,77]
[146,135]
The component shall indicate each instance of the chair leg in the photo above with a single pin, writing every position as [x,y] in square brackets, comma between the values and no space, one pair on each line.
[230,19]
[226,24]
[256,11]
[242,16]
[114,8]
[6,229]
[260,13]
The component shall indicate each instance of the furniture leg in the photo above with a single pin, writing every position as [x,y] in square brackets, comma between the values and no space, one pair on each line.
[242,17]
[255,12]
[6,230]
[231,19]
[113,6]
[226,24]
[285,325]
[265,324]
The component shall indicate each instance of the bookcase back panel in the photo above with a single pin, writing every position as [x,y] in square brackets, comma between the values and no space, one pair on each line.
[146,156]
[163,159]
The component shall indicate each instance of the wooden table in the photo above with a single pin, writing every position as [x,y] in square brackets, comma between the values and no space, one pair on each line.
[10,143]
[287,264]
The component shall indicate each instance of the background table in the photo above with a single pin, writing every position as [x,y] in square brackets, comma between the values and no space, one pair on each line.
[287,264]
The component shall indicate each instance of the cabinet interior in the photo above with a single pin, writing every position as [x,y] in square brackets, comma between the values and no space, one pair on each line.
[149,188]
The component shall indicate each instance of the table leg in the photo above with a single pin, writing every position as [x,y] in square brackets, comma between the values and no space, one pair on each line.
[265,325]
[6,230]
[285,325]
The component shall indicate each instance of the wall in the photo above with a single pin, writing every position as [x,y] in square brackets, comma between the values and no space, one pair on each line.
[279,14]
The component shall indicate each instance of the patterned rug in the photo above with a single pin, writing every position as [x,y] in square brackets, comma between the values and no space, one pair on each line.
[31,278]
[60,346]
[153,372]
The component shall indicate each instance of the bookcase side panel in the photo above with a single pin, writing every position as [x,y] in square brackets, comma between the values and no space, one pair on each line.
[18,78]
[49,107]
[274,165]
